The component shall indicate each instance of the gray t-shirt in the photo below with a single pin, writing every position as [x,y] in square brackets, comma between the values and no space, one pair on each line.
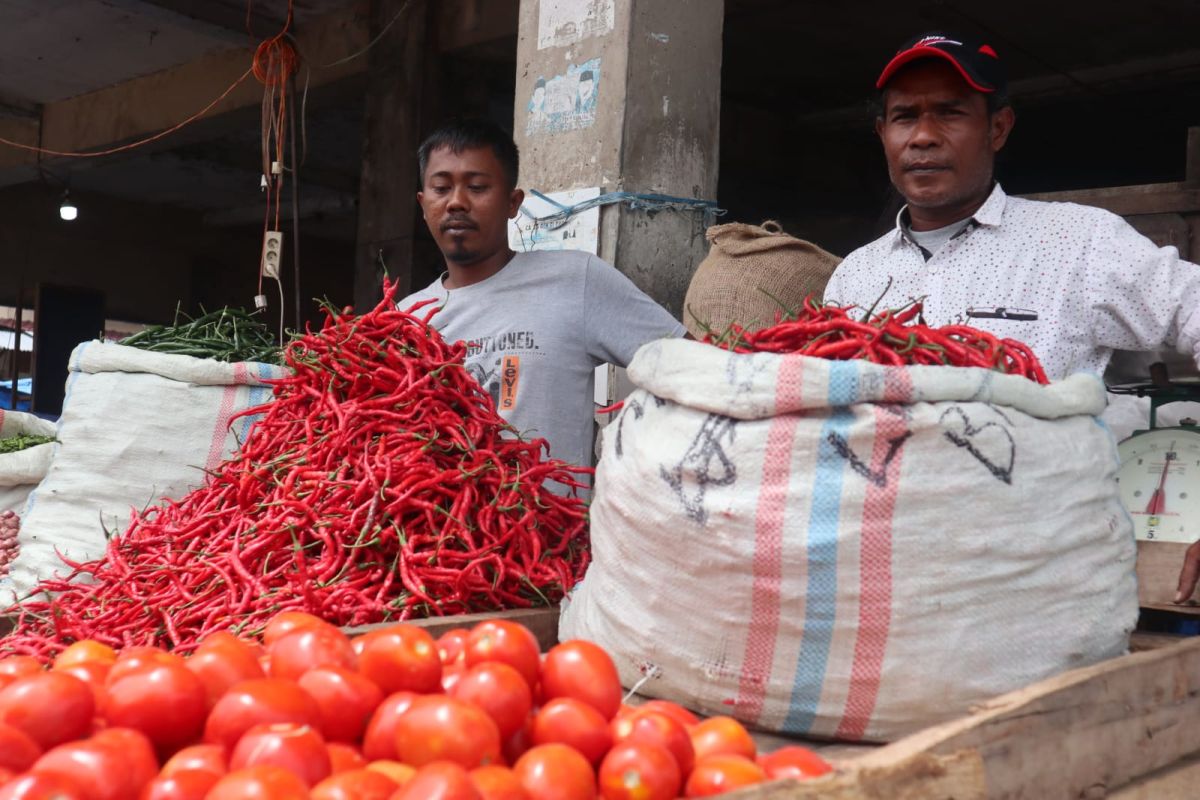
[536,331]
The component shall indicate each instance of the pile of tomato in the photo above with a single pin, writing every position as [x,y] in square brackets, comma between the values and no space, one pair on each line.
[310,713]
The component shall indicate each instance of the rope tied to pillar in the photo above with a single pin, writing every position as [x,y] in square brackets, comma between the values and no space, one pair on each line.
[636,201]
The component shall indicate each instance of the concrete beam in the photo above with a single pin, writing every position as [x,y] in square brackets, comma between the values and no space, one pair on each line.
[462,24]
[209,17]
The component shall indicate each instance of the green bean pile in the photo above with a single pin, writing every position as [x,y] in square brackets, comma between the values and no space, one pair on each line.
[229,334]
[22,442]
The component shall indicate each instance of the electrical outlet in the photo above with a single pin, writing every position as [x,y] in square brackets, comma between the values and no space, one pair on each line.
[272,254]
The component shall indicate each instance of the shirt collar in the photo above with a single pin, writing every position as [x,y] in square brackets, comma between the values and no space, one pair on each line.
[990,214]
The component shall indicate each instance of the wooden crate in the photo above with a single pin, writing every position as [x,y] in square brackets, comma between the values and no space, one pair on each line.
[1128,728]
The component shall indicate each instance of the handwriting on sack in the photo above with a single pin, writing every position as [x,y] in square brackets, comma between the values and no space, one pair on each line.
[991,443]
[638,410]
[706,462]
[879,477]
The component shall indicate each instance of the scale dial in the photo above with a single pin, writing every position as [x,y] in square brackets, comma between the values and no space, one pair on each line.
[1159,480]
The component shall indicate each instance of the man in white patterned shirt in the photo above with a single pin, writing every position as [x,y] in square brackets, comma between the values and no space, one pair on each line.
[1073,282]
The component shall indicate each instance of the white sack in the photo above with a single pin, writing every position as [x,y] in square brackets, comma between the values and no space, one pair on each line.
[24,469]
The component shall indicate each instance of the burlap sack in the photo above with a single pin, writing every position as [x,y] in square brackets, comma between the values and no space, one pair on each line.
[751,272]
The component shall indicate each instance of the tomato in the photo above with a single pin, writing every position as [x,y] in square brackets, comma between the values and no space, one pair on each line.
[515,746]
[555,772]
[452,645]
[95,675]
[584,671]
[17,750]
[164,701]
[722,735]
[793,761]
[452,673]
[399,773]
[186,784]
[440,728]
[258,702]
[344,757]
[13,667]
[572,722]
[402,658]
[136,659]
[439,781]
[33,786]
[494,782]
[508,643]
[639,771]
[285,622]
[225,640]
[297,748]
[499,690]
[223,664]
[297,652]
[379,740]
[7,775]
[96,767]
[51,707]
[346,700]
[266,782]
[210,757]
[685,718]
[84,650]
[135,751]
[357,784]
[720,773]
[648,726]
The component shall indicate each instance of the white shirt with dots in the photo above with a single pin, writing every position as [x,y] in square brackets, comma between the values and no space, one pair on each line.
[1073,282]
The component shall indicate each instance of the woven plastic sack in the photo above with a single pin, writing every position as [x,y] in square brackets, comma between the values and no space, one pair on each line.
[849,550]
[24,469]
[749,274]
[136,427]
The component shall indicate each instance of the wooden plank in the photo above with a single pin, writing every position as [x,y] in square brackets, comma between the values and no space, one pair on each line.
[1152,198]
[543,622]
[1158,565]
[1141,641]
[1176,782]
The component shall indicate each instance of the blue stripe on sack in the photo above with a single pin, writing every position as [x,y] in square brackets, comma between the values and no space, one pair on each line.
[820,604]
[256,396]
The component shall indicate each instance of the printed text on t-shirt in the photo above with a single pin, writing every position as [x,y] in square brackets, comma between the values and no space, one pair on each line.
[513,340]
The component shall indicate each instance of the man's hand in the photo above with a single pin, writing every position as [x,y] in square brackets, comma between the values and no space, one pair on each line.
[1189,574]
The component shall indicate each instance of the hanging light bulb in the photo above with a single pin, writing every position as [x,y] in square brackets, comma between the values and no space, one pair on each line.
[68,211]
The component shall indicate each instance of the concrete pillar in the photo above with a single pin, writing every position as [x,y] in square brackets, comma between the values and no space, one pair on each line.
[648,124]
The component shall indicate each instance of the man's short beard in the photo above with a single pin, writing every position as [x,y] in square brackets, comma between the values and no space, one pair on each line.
[461,255]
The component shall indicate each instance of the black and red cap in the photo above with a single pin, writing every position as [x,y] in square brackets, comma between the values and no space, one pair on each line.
[976,61]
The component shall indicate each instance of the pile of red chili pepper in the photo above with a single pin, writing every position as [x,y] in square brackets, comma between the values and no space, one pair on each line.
[892,337]
[380,484]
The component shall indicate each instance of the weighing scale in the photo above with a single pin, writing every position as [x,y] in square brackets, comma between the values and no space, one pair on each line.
[1159,482]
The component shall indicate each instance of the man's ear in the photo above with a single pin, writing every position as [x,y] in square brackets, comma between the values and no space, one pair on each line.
[421,202]
[514,202]
[879,127]
[1002,125]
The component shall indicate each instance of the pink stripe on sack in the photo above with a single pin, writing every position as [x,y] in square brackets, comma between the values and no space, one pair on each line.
[875,561]
[768,547]
[216,449]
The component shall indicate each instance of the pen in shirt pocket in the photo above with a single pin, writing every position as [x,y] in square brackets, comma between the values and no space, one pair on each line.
[1000,312]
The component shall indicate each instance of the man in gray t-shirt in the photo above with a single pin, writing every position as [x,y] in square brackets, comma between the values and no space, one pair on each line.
[536,324]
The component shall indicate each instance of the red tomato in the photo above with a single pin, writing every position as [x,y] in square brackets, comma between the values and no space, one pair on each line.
[515,746]
[724,735]
[13,667]
[647,726]
[97,768]
[399,773]
[164,701]
[639,771]
[32,786]
[187,784]
[297,748]
[440,728]
[345,698]
[7,775]
[95,675]
[379,740]
[439,781]
[17,750]
[259,783]
[556,772]
[508,643]
[793,761]
[222,665]
[356,784]
[25,704]
[135,751]
[210,757]
[285,622]
[452,673]
[452,645]
[722,773]
[344,757]
[82,651]
[297,652]
[685,718]
[584,671]
[258,702]
[499,690]
[402,658]
[495,782]
[141,658]
[572,722]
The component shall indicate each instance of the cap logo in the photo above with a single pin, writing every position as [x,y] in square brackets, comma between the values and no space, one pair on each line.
[988,51]
[929,40]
